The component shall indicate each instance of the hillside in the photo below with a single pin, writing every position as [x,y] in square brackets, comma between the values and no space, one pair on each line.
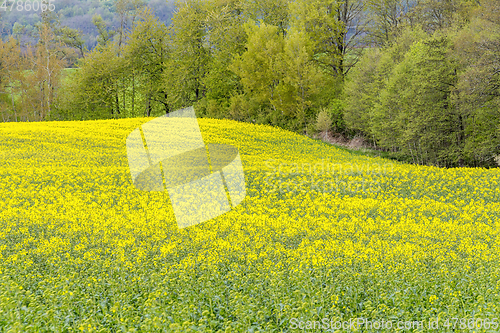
[81,248]
[76,14]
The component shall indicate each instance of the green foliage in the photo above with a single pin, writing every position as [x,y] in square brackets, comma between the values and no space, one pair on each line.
[185,75]
[361,88]
[386,17]
[76,15]
[323,121]
[319,19]
[367,81]
[147,55]
[415,106]
[104,35]
[95,86]
[125,81]
[278,73]
[259,66]
[239,107]
[336,113]
[402,97]
[227,38]
[441,15]
[476,49]
[271,12]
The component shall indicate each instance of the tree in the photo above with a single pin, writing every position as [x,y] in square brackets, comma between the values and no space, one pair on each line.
[354,24]
[148,52]
[127,9]
[94,92]
[417,105]
[366,83]
[319,19]
[11,68]
[271,12]
[73,38]
[302,79]
[387,17]
[105,35]
[362,88]
[39,84]
[477,49]
[259,67]
[184,78]
[226,39]
[437,15]
[69,40]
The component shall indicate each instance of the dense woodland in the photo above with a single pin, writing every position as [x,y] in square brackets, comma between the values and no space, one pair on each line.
[418,79]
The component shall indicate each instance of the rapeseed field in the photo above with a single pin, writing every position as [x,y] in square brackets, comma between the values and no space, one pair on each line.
[323,236]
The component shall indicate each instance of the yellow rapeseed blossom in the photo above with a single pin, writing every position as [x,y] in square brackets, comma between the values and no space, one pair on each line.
[322,233]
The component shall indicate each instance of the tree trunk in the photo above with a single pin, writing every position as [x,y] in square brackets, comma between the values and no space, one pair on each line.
[117,102]
[148,108]
[165,103]
[124,94]
[12,98]
[133,94]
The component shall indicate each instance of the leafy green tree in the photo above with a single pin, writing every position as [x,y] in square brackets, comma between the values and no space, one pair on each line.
[417,107]
[260,68]
[11,68]
[94,90]
[437,15]
[319,19]
[105,35]
[127,10]
[226,38]
[302,79]
[387,17]
[353,27]
[362,88]
[271,12]
[185,76]
[477,49]
[148,53]
[323,121]
[366,82]
[73,39]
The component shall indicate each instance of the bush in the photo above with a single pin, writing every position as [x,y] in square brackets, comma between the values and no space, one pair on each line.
[323,121]
[238,107]
[336,112]
[311,128]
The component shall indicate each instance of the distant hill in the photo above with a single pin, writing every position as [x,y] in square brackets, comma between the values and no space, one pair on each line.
[76,14]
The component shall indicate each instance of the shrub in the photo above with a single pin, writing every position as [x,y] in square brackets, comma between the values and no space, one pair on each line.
[336,112]
[238,107]
[323,121]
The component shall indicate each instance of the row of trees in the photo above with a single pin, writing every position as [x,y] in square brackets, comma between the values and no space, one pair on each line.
[269,61]
[32,78]
[418,78]
[432,95]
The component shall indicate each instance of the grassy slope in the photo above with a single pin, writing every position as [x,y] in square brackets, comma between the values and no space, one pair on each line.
[80,247]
